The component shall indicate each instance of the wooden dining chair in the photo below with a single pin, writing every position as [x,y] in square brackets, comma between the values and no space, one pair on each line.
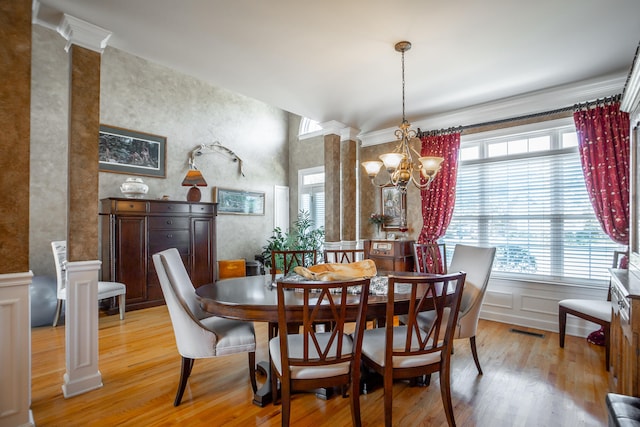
[309,360]
[408,351]
[286,261]
[343,256]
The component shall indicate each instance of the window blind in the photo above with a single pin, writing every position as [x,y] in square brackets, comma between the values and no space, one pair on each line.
[532,204]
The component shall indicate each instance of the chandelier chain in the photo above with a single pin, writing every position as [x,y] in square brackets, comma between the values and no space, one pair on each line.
[403,116]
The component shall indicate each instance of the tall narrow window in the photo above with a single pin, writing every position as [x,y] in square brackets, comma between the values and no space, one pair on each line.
[525,194]
[311,194]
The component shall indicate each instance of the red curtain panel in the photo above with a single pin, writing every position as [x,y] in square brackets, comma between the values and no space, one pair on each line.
[603,137]
[439,199]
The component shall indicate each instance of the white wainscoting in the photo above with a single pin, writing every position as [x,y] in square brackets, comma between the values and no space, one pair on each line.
[535,305]
[15,350]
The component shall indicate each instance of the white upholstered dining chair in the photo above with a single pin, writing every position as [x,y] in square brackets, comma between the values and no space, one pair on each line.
[198,334]
[477,262]
[595,311]
[105,289]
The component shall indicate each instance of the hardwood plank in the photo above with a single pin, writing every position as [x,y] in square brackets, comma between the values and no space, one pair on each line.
[527,381]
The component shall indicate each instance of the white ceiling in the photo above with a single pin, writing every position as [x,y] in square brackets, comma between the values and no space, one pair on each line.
[335,59]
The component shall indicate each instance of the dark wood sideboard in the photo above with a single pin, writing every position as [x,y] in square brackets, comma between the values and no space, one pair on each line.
[390,255]
[132,230]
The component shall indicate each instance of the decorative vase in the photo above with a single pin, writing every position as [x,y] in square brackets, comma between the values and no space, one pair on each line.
[134,188]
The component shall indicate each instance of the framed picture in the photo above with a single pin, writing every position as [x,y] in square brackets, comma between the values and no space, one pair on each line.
[132,152]
[393,205]
[238,202]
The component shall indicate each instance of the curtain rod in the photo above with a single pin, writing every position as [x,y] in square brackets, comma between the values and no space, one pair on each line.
[558,111]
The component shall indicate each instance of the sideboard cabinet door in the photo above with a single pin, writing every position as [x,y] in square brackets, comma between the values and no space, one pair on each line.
[132,230]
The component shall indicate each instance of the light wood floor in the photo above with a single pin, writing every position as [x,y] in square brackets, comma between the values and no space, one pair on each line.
[527,381]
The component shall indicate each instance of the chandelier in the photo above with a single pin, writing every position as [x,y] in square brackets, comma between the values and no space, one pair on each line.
[399,164]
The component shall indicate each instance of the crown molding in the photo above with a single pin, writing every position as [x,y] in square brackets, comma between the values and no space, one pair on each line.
[82,33]
[332,127]
[349,134]
[533,102]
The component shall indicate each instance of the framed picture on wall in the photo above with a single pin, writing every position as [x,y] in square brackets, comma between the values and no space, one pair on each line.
[393,204]
[131,152]
[238,202]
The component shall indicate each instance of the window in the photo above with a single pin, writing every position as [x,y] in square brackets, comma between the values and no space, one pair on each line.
[309,128]
[311,194]
[525,194]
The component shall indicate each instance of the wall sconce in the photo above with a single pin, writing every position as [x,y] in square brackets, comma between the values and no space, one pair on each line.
[194,179]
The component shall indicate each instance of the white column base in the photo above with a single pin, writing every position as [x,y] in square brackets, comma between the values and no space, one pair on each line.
[15,350]
[81,329]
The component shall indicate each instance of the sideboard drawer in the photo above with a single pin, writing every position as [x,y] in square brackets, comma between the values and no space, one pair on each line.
[131,206]
[168,222]
[161,240]
[202,209]
[169,208]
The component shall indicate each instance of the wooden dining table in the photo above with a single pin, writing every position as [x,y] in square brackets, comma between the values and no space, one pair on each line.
[254,298]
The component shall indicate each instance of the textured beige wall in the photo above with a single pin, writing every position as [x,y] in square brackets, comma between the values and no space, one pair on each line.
[139,95]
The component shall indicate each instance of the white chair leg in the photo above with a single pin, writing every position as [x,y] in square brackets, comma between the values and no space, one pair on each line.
[121,305]
[56,317]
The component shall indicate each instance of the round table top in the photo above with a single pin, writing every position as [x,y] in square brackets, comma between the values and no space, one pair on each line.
[254,298]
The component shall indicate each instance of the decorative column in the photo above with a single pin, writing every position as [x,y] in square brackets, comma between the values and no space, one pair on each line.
[85,44]
[332,181]
[15,277]
[349,193]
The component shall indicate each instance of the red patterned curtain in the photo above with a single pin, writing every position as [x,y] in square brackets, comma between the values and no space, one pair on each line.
[603,135]
[439,199]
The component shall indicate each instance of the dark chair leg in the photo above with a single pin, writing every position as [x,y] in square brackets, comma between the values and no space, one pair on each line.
[607,343]
[275,396]
[252,371]
[58,311]
[445,391]
[474,351]
[562,317]
[187,364]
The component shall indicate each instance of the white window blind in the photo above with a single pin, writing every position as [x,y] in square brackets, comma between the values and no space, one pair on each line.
[526,195]
[312,195]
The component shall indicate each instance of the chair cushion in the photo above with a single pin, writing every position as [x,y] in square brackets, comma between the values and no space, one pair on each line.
[373,346]
[594,308]
[295,343]
[234,336]
[110,289]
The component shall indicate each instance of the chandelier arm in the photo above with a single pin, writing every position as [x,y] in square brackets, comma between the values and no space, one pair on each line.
[424,186]
[375,184]
[414,150]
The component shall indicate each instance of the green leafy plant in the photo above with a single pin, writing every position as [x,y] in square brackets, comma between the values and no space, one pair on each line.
[302,237]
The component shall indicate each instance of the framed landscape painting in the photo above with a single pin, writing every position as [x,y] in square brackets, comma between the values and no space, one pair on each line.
[238,202]
[131,152]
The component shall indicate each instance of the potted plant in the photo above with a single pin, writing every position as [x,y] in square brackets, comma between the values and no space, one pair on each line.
[379,220]
[301,237]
